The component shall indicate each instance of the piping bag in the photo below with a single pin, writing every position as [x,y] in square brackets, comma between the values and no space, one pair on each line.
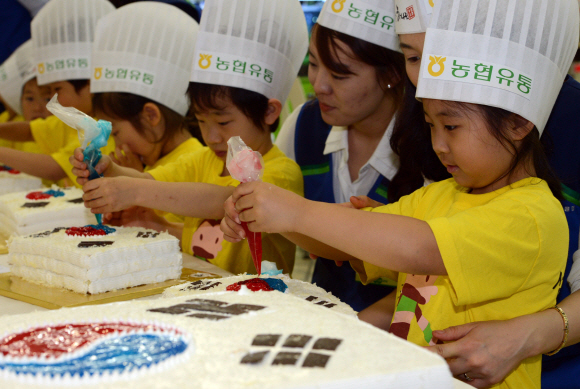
[246,165]
[92,134]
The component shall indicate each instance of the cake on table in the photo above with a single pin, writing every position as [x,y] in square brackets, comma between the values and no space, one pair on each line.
[12,180]
[95,259]
[216,340]
[24,213]
[264,283]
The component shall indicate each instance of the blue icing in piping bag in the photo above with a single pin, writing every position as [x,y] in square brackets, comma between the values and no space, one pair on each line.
[92,153]
[92,134]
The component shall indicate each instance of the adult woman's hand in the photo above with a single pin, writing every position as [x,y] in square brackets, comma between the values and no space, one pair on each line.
[486,351]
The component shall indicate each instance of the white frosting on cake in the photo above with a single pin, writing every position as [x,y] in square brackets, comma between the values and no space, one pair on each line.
[19,182]
[55,259]
[304,290]
[59,212]
[238,341]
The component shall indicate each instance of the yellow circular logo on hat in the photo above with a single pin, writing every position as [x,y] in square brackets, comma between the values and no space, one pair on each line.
[431,3]
[338,5]
[41,68]
[204,61]
[440,61]
[98,73]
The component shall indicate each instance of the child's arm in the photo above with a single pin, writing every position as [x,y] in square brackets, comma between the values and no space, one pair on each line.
[492,349]
[234,232]
[380,313]
[16,131]
[106,167]
[194,199]
[395,242]
[38,165]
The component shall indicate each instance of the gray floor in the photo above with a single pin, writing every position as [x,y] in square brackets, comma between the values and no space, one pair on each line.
[303,266]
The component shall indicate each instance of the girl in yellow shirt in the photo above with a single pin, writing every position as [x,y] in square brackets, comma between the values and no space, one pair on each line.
[496,221]
[148,122]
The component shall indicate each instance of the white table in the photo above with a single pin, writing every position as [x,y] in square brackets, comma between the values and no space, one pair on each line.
[9,306]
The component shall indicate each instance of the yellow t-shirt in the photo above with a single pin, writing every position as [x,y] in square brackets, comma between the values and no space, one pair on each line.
[51,134]
[204,239]
[30,147]
[505,254]
[189,146]
[5,118]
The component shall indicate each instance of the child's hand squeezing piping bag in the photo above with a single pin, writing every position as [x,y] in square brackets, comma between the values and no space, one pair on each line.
[92,134]
[246,165]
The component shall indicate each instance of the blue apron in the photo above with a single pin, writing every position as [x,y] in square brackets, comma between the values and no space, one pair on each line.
[563,143]
[309,143]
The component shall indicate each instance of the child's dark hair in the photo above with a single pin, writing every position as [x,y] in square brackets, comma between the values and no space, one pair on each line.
[127,106]
[411,141]
[253,105]
[531,148]
[78,84]
[389,65]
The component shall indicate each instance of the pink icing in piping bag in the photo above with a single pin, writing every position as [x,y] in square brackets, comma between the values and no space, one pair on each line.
[246,165]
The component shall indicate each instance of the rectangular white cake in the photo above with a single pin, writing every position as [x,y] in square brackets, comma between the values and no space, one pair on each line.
[14,181]
[127,257]
[22,215]
[217,340]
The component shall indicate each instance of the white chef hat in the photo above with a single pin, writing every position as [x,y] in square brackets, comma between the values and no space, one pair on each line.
[258,45]
[16,71]
[370,20]
[507,54]
[11,83]
[145,48]
[26,61]
[62,33]
[413,16]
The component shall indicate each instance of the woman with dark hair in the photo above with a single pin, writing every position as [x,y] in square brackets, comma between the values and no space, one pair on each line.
[341,139]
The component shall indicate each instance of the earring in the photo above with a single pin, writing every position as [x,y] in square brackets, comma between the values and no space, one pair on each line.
[389,86]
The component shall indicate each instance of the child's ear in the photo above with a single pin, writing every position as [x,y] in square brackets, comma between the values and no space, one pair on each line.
[521,130]
[273,111]
[151,114]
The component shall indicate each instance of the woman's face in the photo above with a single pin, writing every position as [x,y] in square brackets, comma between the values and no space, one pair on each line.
[345,99]
[34,100]
[412,47]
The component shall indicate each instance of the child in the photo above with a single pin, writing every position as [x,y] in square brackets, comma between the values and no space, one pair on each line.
[341,140]
[496,219]
[23,98]
[225,104]
[148,121]
[63,65]
[544,328]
